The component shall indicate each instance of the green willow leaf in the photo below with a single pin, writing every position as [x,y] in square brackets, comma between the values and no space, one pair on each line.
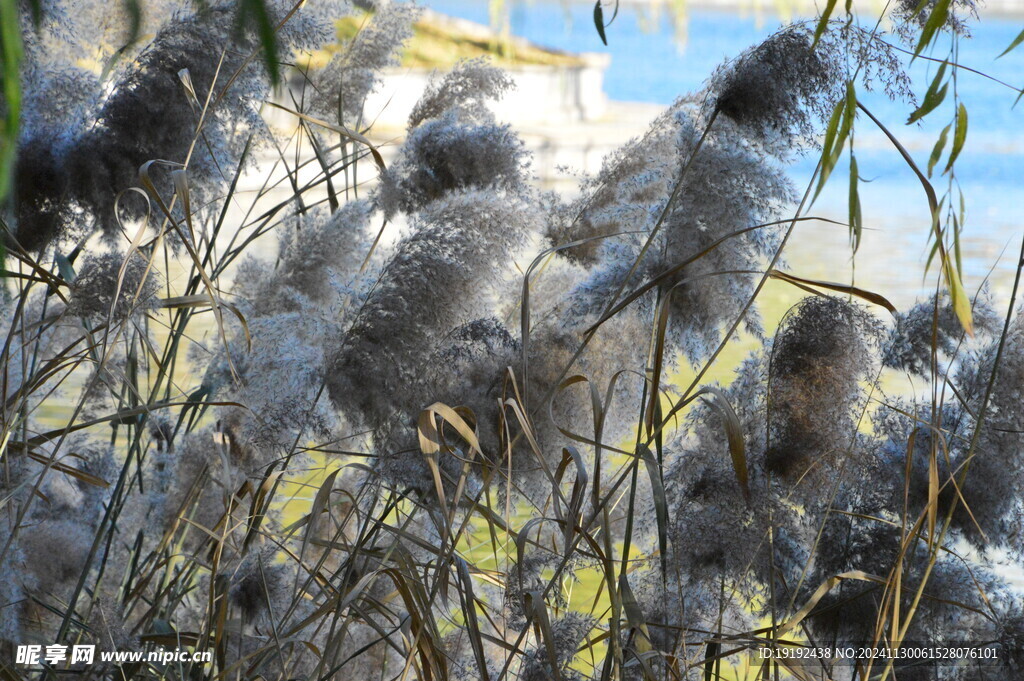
[940,145]
[937,19]
[839,126]
[958,296]
[599,22]
[823,21]
[961,304]
[934,96]
[856,218]
[1016,41]
[959,137]
[10,70]
[255,12]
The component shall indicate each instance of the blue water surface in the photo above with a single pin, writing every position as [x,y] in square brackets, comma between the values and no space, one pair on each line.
[650,64]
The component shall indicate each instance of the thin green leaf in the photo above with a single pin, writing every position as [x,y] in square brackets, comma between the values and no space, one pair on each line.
[823,21]
[961,304]
[959,137]
[838,132]
[599,22]
[133,8]
[940,145]
[255,12]
[1016,41]
[710,657]
[929,105]
[10,73]
[931,93]
[830,142]
[958,296]
[937,19]
[856,219]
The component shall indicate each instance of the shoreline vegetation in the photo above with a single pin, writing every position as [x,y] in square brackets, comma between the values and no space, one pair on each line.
[791,8]
[441,41]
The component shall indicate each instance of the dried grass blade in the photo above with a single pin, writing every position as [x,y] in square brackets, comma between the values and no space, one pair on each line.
[472,625]
[634,615]
[820,592]
[660,503]
[341,130]
[870,296]
[734,433]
